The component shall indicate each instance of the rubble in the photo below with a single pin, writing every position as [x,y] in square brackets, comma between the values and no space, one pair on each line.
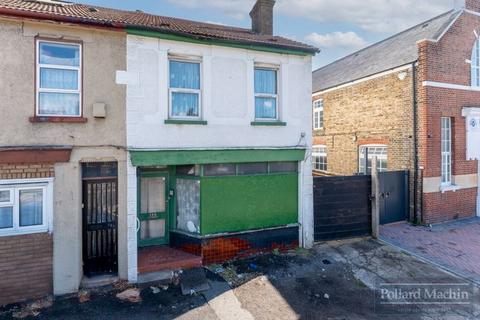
[131,295]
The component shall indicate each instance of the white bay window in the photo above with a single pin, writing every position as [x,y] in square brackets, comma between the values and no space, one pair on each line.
[59,75]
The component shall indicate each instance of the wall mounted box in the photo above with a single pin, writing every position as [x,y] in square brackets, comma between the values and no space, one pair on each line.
[99,110]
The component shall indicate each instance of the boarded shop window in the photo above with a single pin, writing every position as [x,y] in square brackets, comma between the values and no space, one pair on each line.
[283,167]
[252,168]
[59,79]
[215,170]
[188,205]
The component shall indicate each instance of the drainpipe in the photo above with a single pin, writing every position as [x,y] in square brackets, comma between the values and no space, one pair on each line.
[416,211]
[478,188]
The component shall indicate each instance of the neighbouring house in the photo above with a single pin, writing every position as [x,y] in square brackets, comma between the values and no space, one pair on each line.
[218,134]
[407,101]
[125,135]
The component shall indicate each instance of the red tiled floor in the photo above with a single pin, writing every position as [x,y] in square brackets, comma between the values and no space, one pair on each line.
[454,245]
[159,258]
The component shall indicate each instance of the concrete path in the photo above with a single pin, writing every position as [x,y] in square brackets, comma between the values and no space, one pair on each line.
[454,246]
[224,303]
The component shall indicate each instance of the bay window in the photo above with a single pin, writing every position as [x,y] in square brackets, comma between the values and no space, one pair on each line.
[25,207]
[266,94]
[185,90]
[59,74]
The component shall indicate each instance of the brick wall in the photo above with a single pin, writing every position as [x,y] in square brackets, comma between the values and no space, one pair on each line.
[26,171]
[445,62]
[473,5]
[26,266]
[26,261]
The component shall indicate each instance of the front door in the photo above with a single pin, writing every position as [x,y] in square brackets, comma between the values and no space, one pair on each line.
[393,196]
[153,209]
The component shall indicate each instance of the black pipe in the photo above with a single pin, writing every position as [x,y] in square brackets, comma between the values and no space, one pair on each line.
[416,213]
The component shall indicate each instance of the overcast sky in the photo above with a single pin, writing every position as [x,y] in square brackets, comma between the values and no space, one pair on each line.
[337,27]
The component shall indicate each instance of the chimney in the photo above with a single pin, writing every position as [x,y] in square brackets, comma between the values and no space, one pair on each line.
[262,17]
[473,5]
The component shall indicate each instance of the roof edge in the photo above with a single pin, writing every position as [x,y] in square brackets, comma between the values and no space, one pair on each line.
[250,45]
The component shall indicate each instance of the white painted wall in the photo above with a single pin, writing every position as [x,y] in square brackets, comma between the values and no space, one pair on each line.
[228,106]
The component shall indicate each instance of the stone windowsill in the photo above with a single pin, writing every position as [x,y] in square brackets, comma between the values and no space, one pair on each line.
[451,187]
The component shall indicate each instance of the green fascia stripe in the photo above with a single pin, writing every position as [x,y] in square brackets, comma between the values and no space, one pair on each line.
[269,123]
[224,43]
[190,122]
[183,157]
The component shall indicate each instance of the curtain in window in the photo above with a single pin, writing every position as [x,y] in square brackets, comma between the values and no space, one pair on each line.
[265,81]
[6,217]
[59,103]
[184,75]
[31,207]
[58,79]
[265,108]
[188,205]
[185,104]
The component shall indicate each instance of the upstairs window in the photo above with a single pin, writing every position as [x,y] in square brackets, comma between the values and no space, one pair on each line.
[366,155]
[475,71]
[266,94]
[59,79]
[318,115]
[185,90]
[319,155]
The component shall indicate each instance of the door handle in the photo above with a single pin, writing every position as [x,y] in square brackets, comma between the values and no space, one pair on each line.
[138,224]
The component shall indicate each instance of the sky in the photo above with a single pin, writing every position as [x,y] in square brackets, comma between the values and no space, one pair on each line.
[337,27]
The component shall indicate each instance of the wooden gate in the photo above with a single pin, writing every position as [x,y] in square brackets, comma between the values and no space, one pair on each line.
[342,207]
[100,218]
[394,196]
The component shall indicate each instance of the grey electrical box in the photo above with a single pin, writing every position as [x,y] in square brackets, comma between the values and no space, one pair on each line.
[99,110]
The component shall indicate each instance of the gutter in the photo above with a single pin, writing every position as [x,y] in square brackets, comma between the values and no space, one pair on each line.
[416,212]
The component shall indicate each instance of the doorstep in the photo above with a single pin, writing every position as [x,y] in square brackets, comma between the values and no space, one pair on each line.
[98,281]
[163,258]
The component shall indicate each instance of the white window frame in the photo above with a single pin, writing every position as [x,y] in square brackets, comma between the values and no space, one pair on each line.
[60,67]
[28,184]
[319,153]
[475,64]
[446,151]
[265,95]
[318,114]
[183,90]
[379,157]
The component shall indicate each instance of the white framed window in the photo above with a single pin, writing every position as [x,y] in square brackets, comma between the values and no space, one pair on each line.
[266,94]
[318,114]
[446,141]
[319,157]
[185,89]
[475,64]
[58,79]
[26,206]
[367,153]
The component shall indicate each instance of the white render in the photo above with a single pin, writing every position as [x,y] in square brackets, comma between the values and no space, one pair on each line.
[472,118]
[227,76]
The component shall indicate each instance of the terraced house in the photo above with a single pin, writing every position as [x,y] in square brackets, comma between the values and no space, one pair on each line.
[412,102]
[132,143]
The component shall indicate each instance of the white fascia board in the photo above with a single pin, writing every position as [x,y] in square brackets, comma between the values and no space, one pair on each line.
[449,86]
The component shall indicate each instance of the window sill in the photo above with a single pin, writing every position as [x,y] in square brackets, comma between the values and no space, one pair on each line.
[451,187]
[269,123]
[187,122]
[37,119]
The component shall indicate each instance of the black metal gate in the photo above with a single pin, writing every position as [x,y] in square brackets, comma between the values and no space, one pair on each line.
[342,207]
[100,218]
[394,196]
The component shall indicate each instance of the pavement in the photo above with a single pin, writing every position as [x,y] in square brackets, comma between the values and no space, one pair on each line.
[455,246]
[334,280]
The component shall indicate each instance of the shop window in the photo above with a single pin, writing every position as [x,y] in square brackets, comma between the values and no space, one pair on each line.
[188,205]
[215,170]
[252,168]
[283,167]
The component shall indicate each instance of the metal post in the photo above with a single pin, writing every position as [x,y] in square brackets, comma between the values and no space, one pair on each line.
[375,200]
[478,189]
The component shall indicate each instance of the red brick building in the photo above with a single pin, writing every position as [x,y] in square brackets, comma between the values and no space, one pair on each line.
[412,100]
